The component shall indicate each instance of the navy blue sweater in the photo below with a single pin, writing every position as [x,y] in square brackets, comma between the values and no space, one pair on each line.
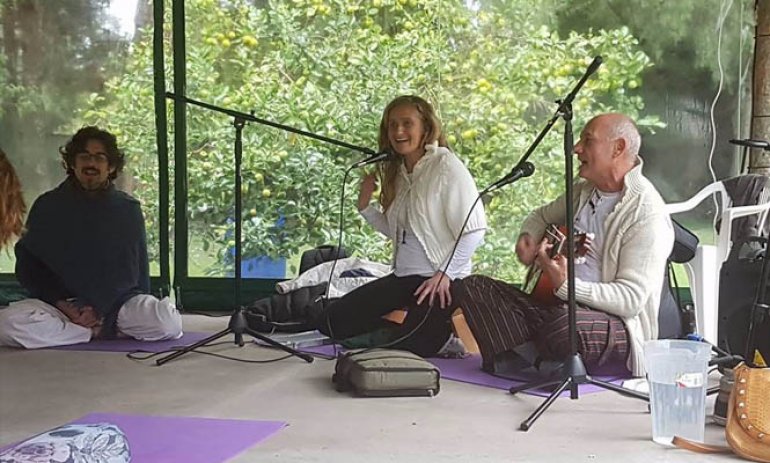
[86,245]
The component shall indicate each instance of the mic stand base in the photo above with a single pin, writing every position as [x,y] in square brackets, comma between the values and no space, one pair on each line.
[573,374]
[238,327]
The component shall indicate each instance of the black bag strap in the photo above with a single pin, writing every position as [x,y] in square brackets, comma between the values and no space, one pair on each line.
[685,244]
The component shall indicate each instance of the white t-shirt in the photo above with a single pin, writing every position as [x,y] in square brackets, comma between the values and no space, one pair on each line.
[591,220]
[411,258]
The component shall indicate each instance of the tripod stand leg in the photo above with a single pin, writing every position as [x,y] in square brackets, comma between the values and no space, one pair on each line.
[526,424]
[238,327]
[619,389]
[187,349]
[306,357]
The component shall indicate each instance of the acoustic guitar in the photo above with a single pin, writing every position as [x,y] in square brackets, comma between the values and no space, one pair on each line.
[536,283]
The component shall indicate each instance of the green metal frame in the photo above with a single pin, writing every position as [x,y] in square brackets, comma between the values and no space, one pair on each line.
[181,269]
[161,137]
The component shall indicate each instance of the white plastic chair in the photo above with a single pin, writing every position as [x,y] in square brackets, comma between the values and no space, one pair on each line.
[703,270]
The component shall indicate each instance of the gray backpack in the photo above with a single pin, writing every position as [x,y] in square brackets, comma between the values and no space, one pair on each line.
[386,373]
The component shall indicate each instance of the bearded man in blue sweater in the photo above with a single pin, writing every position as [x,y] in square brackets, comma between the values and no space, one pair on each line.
[83,259]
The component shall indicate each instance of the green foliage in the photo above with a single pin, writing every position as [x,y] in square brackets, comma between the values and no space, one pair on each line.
[683,34]
[4,90]
[53,55]
[330,67]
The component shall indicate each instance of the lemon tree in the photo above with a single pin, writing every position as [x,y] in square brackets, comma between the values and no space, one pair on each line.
[493,70]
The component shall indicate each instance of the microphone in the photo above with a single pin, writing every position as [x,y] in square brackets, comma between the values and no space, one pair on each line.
[750,143]
[381,156]
[520,171]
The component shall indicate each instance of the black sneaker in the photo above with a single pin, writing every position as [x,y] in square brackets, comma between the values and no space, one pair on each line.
[507,363]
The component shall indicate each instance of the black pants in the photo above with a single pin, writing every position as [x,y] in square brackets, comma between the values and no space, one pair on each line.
[361,311]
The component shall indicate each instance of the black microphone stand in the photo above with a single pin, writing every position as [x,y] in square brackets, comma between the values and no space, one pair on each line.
[237,324]
[573,372]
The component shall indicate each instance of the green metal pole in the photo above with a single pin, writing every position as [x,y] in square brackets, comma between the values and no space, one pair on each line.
[180,149]
[161,128]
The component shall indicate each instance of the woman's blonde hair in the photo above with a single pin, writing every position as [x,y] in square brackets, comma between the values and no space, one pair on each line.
[388,170]
[12,207]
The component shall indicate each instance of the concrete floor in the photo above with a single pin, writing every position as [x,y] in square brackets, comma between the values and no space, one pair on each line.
[46,388]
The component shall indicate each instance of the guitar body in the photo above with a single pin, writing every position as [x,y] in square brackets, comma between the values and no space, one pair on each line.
[543,291]
[537,284]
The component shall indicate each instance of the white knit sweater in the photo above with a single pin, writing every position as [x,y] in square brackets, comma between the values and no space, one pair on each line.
[638,240]
[441,194]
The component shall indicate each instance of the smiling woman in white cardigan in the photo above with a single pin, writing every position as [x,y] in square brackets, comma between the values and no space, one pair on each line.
[426,194]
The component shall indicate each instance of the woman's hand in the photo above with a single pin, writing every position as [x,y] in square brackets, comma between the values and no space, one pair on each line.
[368,185]
[437,285]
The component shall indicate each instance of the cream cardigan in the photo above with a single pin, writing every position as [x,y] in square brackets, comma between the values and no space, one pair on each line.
[441,194]
[638,240]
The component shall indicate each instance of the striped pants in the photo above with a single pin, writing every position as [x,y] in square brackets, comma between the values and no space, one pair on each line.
[503,317]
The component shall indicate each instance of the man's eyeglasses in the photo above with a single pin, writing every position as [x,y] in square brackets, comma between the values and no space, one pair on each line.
[96,157]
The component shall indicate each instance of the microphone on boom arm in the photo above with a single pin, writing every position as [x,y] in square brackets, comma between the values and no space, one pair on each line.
[522,170]
[377,157]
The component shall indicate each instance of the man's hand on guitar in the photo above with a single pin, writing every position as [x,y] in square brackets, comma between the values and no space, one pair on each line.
[437,285]
[554,267]
[526,249]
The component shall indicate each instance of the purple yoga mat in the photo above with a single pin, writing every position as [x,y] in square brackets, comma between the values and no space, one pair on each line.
[162,439]
[129,345]
[468,370]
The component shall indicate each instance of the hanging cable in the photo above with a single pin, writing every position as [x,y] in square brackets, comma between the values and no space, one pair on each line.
[723,11]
